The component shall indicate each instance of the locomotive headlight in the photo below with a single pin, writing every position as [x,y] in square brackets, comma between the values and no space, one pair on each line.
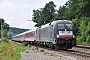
[57,36]
[73,36]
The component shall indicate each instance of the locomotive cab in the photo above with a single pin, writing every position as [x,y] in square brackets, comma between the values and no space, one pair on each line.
[64,35]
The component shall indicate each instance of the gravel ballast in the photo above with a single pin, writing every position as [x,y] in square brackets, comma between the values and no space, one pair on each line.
[34,54]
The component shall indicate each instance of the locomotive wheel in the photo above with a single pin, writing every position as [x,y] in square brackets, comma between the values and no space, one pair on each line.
[52,46]
[49,45]
[65,49]
[31,43]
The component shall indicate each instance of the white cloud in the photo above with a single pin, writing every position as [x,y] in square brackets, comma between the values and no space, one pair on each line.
[21,10]
[5,5]
[17,12]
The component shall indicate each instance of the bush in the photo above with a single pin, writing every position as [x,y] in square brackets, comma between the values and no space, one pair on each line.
[24,43]
[41,50]
[2,47]
[5,39]
[11,51]
[88,40]
[45,53]
[81,39]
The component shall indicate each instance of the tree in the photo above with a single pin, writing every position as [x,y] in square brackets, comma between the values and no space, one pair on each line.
[5,27]
[88,29]
[1,22]
[82,29]
[5,33]
[88,39]
[44,15]
[61,12]
[76,26]
[84,9]
[37,16]
[48,12]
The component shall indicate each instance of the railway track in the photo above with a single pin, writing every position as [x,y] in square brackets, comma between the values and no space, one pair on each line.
[83,46]
[74,53]
[78,53]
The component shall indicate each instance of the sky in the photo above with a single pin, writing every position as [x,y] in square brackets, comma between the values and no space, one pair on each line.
[17,12]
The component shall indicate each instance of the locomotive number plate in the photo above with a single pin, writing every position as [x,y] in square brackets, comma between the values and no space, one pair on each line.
[65,33]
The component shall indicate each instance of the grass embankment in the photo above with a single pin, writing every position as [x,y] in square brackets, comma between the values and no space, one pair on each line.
[11,51]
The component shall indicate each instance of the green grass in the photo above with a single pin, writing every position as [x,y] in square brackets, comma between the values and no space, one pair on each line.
[41,50]
[45,53]
[51,54]
[11,51]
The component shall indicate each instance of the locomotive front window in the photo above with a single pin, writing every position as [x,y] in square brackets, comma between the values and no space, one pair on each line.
[61,26]
[68,26]
[65,26]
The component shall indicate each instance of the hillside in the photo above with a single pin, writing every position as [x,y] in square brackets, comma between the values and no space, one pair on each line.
[13,31]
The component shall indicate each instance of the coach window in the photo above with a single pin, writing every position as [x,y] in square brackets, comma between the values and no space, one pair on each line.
[28,34]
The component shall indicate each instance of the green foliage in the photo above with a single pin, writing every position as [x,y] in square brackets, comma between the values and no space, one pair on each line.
[51,54]
[35,51]
[2,47]
[76,23]
[12,56]
[82,29]
[61,12]
[84,9]
[88,39]
[4,25]
[5,39]
[5,33]
[20,48]
[24,43]
[88,29]
[41,50]
[11,51]
[45,53]
[44,15]
[75,9]
[80,39]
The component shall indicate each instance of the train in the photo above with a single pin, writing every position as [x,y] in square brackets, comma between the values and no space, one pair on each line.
[58,34]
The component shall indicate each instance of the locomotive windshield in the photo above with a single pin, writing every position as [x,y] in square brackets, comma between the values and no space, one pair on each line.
[61,26]
[65,26]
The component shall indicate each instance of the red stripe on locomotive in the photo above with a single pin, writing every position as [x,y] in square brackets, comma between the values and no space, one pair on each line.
[66,37]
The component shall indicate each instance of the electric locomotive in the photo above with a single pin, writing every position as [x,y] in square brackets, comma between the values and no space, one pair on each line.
[58,34]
